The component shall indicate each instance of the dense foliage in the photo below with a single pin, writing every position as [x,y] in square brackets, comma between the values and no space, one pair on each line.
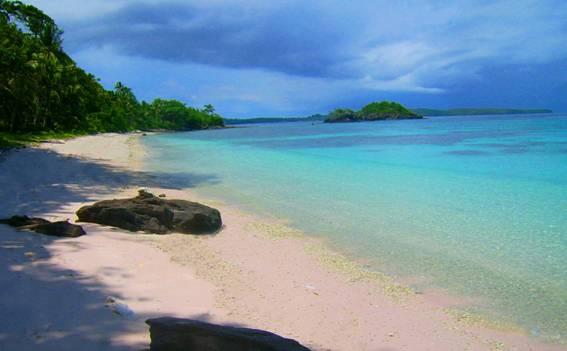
[372,112]
[343,114]
[42,89]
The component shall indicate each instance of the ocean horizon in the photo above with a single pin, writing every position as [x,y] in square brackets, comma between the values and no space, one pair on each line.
[472,205]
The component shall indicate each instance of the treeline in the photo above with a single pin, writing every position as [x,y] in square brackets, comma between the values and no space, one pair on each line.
[42,88]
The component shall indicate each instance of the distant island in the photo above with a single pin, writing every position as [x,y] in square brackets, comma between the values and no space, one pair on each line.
[476,111]
[375,111]
[235,121]
[428,112]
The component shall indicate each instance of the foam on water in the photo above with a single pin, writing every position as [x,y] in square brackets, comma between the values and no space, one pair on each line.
[475,205]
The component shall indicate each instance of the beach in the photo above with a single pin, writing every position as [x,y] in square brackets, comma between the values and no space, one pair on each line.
[256,272]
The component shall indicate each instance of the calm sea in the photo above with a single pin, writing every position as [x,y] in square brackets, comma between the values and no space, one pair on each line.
[476,206]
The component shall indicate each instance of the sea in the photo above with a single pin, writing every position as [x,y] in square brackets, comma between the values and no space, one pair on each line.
[474,206]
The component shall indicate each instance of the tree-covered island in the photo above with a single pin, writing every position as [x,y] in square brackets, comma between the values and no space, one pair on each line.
[375,111]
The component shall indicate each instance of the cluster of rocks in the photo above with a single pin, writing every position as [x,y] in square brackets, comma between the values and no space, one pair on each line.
[152,214]
[143,213]
[43,226]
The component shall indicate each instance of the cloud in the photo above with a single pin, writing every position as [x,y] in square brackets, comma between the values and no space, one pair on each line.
[428,47]
[289,39]
[72,10]
[410,45]
[439,44]
[234,92]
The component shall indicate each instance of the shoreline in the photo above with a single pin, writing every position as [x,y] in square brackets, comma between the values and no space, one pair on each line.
[307,291]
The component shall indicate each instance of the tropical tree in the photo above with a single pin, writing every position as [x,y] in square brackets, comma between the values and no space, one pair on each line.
[41,87]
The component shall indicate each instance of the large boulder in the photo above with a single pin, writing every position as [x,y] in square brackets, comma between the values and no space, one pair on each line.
[151,214]
[176,334]
[40,225]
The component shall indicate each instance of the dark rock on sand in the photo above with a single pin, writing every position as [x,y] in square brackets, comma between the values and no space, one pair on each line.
[61,228]
[175,334]
[151,214]
[20,221]
[40,225]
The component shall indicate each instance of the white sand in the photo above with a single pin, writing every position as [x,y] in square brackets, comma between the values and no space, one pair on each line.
[254,273]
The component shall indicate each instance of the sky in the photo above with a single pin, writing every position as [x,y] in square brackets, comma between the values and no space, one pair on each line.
[259,58]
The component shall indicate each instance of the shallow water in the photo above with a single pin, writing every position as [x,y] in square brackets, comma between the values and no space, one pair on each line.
[475,205]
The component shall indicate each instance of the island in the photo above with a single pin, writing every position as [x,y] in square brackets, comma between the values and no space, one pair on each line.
[375,111]
[429,112]
[475,111]
[260,120]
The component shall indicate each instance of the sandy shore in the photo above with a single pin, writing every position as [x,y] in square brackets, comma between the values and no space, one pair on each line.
[256,272]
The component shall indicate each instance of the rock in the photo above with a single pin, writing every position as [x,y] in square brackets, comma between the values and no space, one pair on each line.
[151,214]
[61,228]
[161,195]
[175,334]
[40,225]
[20,221]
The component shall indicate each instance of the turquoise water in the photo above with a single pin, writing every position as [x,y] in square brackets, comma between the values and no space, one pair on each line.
[475,205]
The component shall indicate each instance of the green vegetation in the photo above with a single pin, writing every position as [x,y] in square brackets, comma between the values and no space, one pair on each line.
[341,114]
[374,111]
[476,111]
[42,90]
[10,140]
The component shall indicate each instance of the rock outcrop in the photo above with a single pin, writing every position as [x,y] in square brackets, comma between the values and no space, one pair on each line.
[151,214]
[40,225]
[175,334]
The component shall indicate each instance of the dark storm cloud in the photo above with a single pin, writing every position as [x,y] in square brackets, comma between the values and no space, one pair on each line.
[294,40]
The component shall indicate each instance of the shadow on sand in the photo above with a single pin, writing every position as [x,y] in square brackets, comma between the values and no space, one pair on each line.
[35,182]
[45,307]
[42,306]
